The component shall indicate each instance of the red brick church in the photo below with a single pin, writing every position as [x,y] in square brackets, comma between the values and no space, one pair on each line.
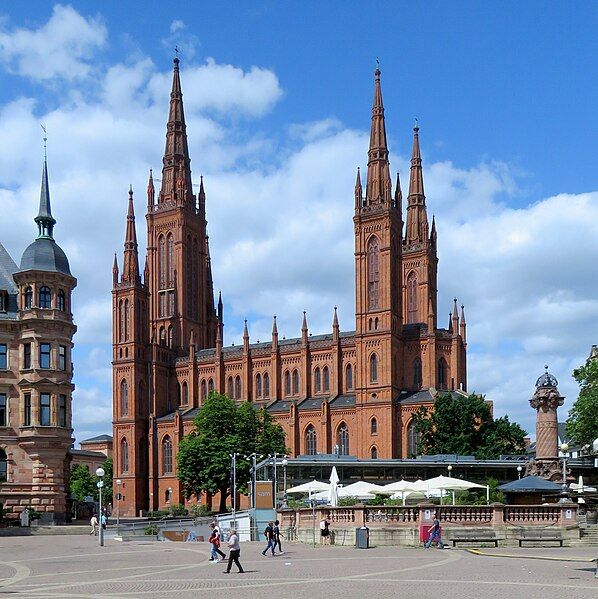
[350,392]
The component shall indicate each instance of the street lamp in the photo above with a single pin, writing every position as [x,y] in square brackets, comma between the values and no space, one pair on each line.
[118,483]
[100,474]
[450,469]
[284,483]
[519,469]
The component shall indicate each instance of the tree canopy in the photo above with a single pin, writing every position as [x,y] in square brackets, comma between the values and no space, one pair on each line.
[464,425]
[223,427]
[582,424]
[84,483]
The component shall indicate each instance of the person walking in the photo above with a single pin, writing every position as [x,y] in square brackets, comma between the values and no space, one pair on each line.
[215,542]
[234,552]
[277,535]
[94,525]
[103,521]
[325,532]
[269,534]
[435,532]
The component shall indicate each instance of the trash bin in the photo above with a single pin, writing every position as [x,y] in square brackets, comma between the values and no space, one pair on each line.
[362,537]
[424,533]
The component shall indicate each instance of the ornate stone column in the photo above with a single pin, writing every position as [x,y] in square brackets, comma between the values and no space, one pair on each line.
[545,401]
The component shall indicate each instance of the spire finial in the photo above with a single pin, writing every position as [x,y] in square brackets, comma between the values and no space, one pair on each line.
[44,219]
[45,138]
[416,124]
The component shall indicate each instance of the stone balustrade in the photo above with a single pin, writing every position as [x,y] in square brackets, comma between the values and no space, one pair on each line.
[401,524]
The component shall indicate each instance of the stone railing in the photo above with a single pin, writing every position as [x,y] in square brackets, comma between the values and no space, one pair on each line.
[495,515]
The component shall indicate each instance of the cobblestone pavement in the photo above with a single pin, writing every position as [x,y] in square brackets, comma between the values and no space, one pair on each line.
[75,566]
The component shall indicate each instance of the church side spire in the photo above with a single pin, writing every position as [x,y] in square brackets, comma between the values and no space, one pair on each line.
[378,188]
[417,218]
[358,191]
[176,169]
[130,272]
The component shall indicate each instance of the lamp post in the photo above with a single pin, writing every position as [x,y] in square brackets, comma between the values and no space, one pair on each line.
[519,469]
[100,474]
[234,489]
[118,483]
[284,481]
[450,469]
[275,483]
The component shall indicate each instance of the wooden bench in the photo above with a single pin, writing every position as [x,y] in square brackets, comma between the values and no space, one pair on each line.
[541,536]
[473,536]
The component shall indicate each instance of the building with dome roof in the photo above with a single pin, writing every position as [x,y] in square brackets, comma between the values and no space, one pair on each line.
[36,341]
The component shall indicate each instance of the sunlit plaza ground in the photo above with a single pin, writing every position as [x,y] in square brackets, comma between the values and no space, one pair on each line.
[74,566]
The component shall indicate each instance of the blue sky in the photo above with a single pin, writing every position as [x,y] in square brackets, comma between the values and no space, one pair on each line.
[278,98]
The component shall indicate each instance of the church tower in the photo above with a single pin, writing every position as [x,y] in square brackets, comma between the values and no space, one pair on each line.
[378,230]
[420,262]
[180,279]
[131,406]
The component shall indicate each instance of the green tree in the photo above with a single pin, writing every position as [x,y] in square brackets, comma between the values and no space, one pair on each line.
[464,425]
[582,424]
[83,483]
[222,428]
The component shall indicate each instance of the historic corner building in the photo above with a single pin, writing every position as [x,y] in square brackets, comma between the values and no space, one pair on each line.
[36,340]
[351,392]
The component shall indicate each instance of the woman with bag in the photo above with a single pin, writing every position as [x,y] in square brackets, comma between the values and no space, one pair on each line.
[215,542]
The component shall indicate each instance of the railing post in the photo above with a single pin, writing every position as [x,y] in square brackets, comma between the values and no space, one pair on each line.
[359,514]
[568,514]
[498,515]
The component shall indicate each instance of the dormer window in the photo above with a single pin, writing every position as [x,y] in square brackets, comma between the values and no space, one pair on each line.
[3,300]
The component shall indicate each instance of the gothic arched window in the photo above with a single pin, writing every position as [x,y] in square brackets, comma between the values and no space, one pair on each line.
[185,398]
[124,398]
[412,440]
[442,372]
[203,389]
[238,387]
[266,385]
[295,382]
[373,426]
[342,439]
[311,439]
[258,385]
[61,304]
[124,456]
[287,383]
[374,453]
[45,298]
[162,262]
[210,385]
[417,373]
[349,377]
[373,258]
[167,455]
[231,387]
[326,377]
[126,319]
[28,298]
[317,380]
[170,260]
[411,298]
[373,368]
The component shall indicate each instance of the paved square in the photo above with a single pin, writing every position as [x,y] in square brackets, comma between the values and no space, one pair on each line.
[74,566]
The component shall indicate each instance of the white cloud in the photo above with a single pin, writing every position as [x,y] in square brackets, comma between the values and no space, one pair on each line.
[281,230]
[62,48]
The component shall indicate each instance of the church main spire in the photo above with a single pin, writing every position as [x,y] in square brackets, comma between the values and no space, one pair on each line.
[417,218]
[378,188]
[176,169]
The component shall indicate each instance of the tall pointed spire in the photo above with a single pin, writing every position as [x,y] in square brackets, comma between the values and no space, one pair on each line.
[358,191]
[304,329]
[151,191]
[44,219]
[131,259]
[245,338]
[115,271]
[398,195]
[463,325]
[455,327]
[378,188]
[335,327]
[176,169]
[201,196]
[417,218]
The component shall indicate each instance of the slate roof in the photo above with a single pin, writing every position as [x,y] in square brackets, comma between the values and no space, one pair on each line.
[342,401]
[98,439]
[281,405]
[311,403]
[45,254]
[7,268]
[85,453]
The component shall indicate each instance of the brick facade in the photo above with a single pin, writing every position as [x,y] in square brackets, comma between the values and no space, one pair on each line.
[350,392]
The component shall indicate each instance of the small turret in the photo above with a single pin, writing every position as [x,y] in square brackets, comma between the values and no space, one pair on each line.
[304,329]
[335,327]
[151,192]
[115,271]
[245,339]
[358,191]
[274,334]
[455,319]
[463,326]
